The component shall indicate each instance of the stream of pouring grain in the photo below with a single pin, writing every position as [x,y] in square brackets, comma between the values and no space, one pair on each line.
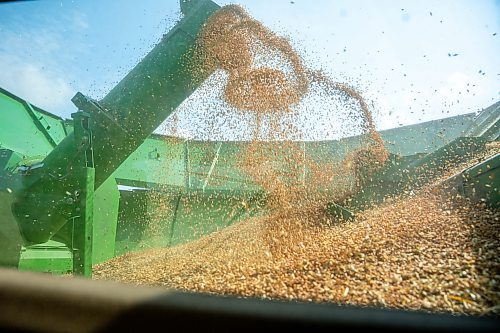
[231,40]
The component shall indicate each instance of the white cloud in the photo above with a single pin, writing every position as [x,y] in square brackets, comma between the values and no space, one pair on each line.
[35,84]
[80,21]
[43,41]
[457,84]
[32,67]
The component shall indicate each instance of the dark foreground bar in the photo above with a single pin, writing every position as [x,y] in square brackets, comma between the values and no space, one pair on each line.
[38,302]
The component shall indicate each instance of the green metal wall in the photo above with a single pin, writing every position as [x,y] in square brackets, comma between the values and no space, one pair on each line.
[27,129]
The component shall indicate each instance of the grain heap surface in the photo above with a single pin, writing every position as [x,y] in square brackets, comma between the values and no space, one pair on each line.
[420,252]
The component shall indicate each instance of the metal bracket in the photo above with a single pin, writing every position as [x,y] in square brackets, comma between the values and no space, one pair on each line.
[40,123]
[82,232]
[83,137]
[91,106]
[339,212]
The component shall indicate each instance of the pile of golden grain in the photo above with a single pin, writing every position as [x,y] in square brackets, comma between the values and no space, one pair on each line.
[419,252]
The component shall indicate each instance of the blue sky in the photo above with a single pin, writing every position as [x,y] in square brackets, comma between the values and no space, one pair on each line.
[395,52]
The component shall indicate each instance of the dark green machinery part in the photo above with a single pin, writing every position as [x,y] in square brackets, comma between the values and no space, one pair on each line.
[28,130]
[339,212]
[83,222]
[480,183]
[487,124]
[406,174]
[9,159]
[121,122]
[56,256]
[10,239]
[182,217]
[51,257]
[105,215]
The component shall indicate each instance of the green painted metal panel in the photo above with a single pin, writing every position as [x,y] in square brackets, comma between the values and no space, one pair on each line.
[427,136]
[106,201]
[213,166]
[9,160]
[481,183]
[201,214]
[51,257]
[158,219]
[146,220]
[487,123]
[171,167]
[55,127]
[158,160]
[183,165]
[83,223]
[10,237]
[132,221]
[18,131]
[408,173]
